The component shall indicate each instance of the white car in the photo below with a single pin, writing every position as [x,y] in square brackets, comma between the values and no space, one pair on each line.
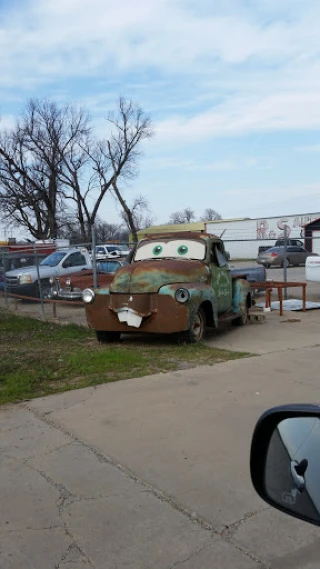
[111,252]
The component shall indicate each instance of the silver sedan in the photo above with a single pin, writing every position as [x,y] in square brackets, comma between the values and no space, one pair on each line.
[274,257]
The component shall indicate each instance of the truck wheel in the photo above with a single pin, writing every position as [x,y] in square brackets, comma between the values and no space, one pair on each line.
[107,337]
[196,331]
[45,289]
[244,318]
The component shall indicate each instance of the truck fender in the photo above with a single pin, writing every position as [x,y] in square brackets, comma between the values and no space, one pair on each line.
[241,295]
[200,295]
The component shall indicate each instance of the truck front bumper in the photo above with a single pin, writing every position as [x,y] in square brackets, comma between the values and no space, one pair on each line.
[145,313]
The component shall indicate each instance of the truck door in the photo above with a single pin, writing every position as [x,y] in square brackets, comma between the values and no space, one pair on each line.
[73,263]
[220,277]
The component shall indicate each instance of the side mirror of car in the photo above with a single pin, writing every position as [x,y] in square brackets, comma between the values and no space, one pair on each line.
[285,460]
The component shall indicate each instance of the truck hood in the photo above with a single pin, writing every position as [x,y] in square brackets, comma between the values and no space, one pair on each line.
[149,276]
[45,272]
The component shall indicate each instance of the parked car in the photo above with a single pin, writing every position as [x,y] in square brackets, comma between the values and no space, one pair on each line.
[34,281]
[70,287]
[280,243]
[177,283]
[274,257]
[111,252]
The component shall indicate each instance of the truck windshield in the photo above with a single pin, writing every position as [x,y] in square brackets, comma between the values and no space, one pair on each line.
[173,249]
[54,259]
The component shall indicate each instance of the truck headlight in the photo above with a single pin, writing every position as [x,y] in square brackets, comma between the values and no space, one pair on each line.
[25,279]
[68,282]
[182,295]
[52,280]
[88,295]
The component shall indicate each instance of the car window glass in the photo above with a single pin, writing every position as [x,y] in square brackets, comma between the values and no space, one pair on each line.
[75,260]
[54,259]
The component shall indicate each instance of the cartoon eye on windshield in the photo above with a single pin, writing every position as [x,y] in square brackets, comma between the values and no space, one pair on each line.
[157,250]
[171,249]
[182,250]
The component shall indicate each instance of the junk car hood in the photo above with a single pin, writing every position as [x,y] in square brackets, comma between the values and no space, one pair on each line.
[149,276]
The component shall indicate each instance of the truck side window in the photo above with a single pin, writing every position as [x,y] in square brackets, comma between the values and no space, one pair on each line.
[75,260]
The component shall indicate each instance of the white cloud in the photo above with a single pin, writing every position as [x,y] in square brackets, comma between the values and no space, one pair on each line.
[55,37]
[312,148]
[241,115]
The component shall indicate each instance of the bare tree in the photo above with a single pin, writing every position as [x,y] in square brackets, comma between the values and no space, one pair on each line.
[183,216]
[210,214]
[31,162]
[136,216]
[50,164]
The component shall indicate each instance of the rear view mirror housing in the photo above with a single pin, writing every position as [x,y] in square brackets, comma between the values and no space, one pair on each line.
[285,460]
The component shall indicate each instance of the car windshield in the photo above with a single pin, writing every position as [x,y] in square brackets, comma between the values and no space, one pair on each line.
[274,250]
[53,260]
[111,248]
[173,249]
[108,266]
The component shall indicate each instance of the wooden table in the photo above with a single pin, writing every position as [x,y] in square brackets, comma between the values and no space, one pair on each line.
[280,285]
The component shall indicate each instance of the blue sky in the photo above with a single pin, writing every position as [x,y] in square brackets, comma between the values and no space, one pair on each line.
[233,87]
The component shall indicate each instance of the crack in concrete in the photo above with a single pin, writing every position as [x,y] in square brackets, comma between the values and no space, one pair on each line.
[228,531]
[175,504]
[64,494]
[249,554]
[3,530]
[193,554]
[72,405]
[65,499]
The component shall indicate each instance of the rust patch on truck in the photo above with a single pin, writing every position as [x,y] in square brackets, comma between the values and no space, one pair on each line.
[148,276]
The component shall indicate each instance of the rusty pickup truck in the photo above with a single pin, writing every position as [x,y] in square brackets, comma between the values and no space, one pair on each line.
[176,283]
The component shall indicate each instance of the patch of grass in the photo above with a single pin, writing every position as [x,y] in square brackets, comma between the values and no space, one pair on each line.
[39,358]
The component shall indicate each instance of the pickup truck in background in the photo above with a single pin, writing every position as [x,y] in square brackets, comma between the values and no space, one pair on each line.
[33,281]
[175,283]
[280,243]
[251,274]
[111,252]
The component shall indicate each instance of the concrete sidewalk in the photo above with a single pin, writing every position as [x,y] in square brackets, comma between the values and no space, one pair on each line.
[293,330]
[152,472]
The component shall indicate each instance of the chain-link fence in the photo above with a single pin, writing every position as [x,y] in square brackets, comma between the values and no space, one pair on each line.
[51,275]
[46,273]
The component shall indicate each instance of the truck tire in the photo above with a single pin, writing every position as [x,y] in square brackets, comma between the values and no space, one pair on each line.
[196,331]
[244,318]
[107,337]
[45,289]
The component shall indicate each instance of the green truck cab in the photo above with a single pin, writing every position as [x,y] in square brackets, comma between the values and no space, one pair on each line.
[176,283]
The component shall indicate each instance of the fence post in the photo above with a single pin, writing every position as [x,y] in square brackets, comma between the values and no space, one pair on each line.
[94,263]
[285,260]
[39,280]
[5,268]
